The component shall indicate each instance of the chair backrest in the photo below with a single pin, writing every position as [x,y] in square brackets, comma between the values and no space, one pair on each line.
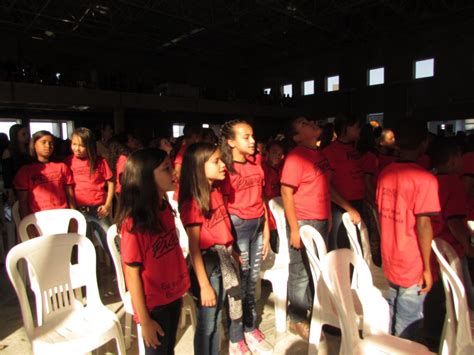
[180,230]
[113,241]
[351,229]
[52,222]
[470,224]
[48,260]
[458,332]
[16,213]
[276,208]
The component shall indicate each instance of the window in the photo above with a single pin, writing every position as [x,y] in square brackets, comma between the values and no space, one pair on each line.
[5,125]
[332,83]
[375,118]
[469,124]
[288,90]
[308,87]
[36,126]
[424,68]
[205,125]
[178,130]
[267,91]
[60,128]
[376,76]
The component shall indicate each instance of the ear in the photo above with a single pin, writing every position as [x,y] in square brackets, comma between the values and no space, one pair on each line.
[231,143]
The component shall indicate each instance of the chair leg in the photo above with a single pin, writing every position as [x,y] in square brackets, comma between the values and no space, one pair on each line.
[314,336]
[141,345]
[128,329]
[121,349]
[280,289]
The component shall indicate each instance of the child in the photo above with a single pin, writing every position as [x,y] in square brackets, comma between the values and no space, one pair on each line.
[118,157]
[155,270]
[387,150]
[207,224]
[242,189]
[43,184]
[305,194]
[93,183]
[347,180]
[407,195]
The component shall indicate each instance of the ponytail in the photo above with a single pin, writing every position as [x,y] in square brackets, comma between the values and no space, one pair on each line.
[227,132]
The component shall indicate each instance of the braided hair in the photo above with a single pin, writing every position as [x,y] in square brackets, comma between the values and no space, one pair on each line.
[228,132]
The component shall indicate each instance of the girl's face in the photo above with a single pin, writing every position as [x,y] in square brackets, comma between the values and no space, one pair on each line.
[44,148]
[78,148]
[353,132]
[165,145]
[388,140]
[165,177]
[23,136]
[214,167]
[275,155]
[243,141]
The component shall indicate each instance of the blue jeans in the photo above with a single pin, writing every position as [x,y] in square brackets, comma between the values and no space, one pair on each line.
[96,227]
[406,310]
[249,243]
[300,289]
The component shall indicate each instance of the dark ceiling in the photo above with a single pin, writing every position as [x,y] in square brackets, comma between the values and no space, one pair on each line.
[211,30]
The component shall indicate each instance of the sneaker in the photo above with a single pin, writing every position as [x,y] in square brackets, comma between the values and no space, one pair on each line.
[239,348]
[257,343]
[301,329]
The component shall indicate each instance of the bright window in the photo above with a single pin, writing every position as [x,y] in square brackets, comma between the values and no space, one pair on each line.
[376,76]
[49,126]
[178,130]
[288,90]
[424,68]
[375,117]
[308,87]
[332,83]
[267,91]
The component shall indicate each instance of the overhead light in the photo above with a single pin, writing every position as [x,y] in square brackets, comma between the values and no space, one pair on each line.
[50,34]
[101,9]
[58,76]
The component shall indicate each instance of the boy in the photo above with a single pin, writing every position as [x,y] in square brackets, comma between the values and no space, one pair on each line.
[407,195]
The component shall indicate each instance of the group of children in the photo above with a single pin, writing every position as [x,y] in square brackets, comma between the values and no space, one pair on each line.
[223,195]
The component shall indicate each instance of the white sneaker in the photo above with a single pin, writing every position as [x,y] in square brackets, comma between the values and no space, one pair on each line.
[257,343]
[239,348]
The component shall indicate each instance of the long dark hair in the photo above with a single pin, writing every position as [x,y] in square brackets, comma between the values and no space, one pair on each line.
[139,198]
[38,135]
[193,181]
[14,146]
[88,139]
[228,132]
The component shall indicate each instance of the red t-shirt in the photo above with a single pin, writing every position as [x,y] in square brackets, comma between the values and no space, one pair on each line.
[89,190]
[243,190]
[404,191]
[180,155]
[369,163]
[45,184]
[163,269]
[272,180]
[214,230]
[119,166]
[468,163]
[306,170]
[347,174]
[453,205]
[383,161]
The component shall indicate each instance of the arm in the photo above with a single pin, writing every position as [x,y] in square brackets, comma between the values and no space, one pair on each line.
[425,236]
[103,211]
[290,213]
[266,233]
[458,228]
[340,201]
[23,203]
[208,296]
[70,196]
[149,326]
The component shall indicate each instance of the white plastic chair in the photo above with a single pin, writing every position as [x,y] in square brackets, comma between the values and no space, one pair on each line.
[182,235]
[16,213]
[66,325]
[336,272]
[275,267]
[380,281]
[457,330]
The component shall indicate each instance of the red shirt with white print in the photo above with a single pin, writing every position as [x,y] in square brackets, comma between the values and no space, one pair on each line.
[404,191]
[89,189]
[215,229]
[307,171]
[163,269]
[347,174]
[243,190]
[45,183]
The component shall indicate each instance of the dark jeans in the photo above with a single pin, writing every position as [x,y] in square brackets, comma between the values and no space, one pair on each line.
[96,227]
[338,236]
[300,289]
[249,243]
[167,317]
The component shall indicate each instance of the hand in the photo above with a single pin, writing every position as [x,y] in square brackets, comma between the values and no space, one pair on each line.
[150,328]
[354,215]
[266,249]
[103,211]
[208,296]
[426,281]
[295,240]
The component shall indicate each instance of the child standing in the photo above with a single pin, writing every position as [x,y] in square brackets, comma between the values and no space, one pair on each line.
[93,183]
[207,224]
[154,266]
[43,184]
[407,196]
[242,190]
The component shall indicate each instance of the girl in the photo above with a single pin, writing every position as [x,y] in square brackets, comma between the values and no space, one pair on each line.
[207,224]
[118,157]
[43,184]
[154,266]
[93,184]
[243,191]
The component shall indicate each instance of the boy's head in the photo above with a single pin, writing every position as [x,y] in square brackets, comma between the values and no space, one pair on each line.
[446,156]
[412,135]
[192,133]
[303,131]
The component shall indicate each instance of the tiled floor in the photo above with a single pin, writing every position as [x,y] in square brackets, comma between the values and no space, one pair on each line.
[13,337]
